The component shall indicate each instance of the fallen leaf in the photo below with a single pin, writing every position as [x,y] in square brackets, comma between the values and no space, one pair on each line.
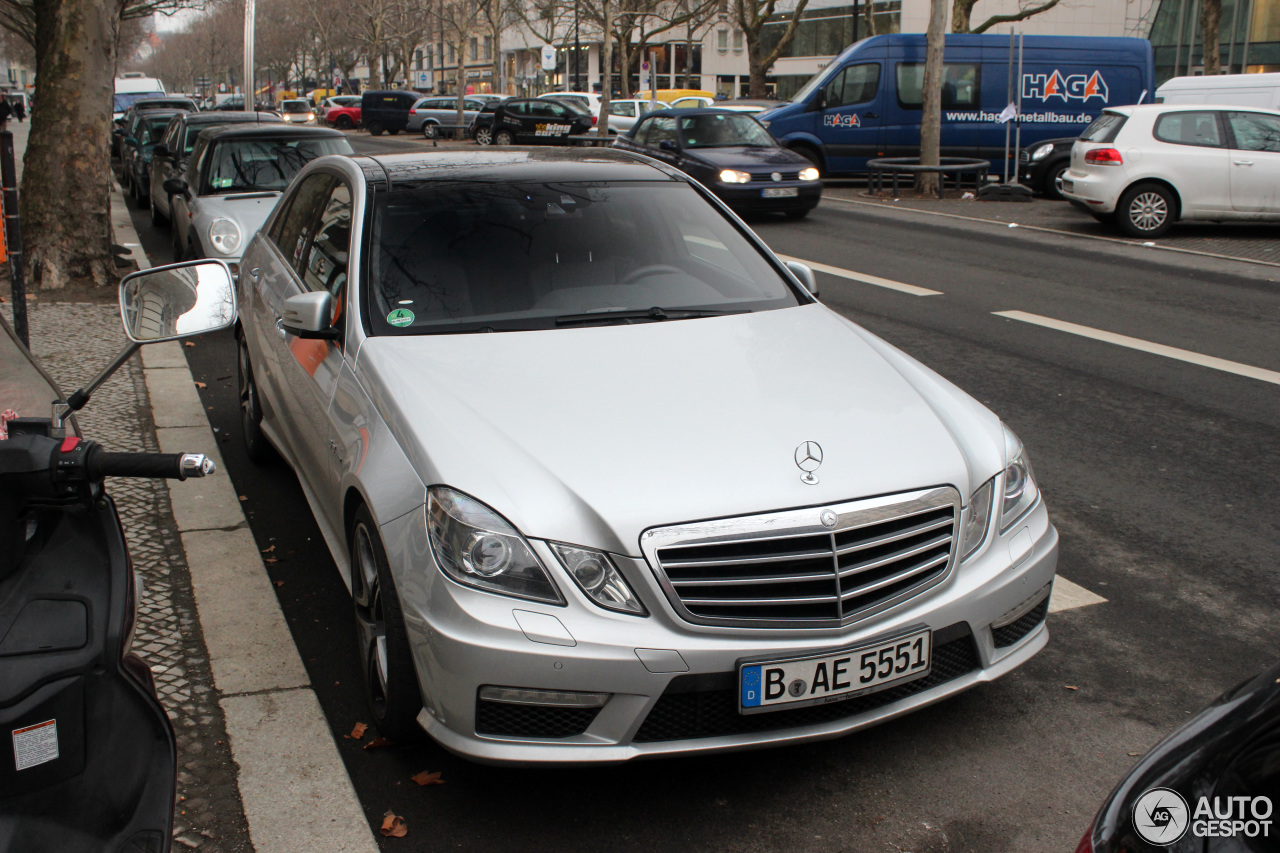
[1069,687]
[244,497]
[201,385]
[268,550]
[270,560]
[187,344]
[393,826]
[358,731]
[378,743]
[424,778]
[1135,753]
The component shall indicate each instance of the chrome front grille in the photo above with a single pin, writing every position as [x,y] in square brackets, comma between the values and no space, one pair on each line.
[788,569]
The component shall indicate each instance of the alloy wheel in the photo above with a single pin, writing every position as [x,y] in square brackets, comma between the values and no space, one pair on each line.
[1148,211]
[484,136]
[371,625]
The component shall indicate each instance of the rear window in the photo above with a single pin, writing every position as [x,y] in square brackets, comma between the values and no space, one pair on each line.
[1104,128]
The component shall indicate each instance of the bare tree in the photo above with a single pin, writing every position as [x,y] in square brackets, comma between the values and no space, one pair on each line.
[458,20]
[634,29]
[752,16]
[931,108]
[1210,18]
[962,14]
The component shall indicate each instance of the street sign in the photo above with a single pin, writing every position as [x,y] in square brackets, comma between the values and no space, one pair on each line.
[423,80]
[548,58]
[644,66]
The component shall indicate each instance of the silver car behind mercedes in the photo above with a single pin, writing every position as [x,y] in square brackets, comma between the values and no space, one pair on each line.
[606,480]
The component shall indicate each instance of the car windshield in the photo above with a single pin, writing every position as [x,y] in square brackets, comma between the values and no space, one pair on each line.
[509,255]
[241,165]
[717,130]
[151,129]
[296,107]
[124,100]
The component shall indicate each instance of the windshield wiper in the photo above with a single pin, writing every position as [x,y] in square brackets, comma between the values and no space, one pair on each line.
[631,315]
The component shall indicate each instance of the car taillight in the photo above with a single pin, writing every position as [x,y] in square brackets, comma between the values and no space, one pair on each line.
[413,112]
[1103,157]
[595,119]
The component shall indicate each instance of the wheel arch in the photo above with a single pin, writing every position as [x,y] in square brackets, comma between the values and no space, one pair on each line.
[1161,182]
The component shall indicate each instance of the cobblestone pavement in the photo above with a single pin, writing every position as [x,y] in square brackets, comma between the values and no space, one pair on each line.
[1247,241]
[74,341]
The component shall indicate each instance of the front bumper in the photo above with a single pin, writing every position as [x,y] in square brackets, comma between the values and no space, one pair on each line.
[749,197]
[672,685]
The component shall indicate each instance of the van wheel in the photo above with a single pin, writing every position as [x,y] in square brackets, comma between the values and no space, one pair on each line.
[484,136]
[344,123]
[813,157]
[390,680]
[1146,210]
[503,137]
[375,128]
[428,131]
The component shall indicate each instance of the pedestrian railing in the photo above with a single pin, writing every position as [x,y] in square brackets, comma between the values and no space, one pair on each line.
[957,168]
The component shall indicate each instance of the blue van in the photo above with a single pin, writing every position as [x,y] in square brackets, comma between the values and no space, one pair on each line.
[867,102]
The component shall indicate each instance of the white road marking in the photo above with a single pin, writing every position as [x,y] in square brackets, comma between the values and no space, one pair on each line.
[1068,596]
[899,286]
[1188,356]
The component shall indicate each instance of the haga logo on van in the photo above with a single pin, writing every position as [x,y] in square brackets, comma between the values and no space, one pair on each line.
[1074,87]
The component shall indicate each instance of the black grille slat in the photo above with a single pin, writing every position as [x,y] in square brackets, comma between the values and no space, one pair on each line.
[686,715]
[1024,625]
[541,721]
[768,177]
[819,580]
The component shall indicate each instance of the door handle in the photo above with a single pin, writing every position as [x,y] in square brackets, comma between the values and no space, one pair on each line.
[870,115]
[280,330]
[1243,162]
[254,273]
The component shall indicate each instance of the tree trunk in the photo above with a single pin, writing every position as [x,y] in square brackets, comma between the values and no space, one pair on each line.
[961,15]
[869,8]
[65,202]
[497,81]
[931,118]
[755,69]
[1210,17]
[606,72]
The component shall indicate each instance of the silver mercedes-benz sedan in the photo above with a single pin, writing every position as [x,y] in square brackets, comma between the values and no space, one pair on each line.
[606,480]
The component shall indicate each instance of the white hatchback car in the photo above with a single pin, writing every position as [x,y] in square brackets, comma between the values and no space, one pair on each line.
[1151,165]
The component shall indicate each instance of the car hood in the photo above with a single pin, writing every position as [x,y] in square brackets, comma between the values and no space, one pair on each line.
[746,157]
[593,435]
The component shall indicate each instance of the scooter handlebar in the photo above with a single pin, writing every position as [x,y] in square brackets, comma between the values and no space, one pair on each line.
[174,466]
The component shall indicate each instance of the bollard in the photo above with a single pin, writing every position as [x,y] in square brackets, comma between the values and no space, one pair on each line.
[13,236]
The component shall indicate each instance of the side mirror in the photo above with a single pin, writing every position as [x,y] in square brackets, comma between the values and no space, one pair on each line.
[806,276]
[161,150]
[164,303]
[175,186]
[309,315]
[666,145]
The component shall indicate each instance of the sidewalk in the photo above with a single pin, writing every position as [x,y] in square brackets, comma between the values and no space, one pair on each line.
[1239,241]
[258,768]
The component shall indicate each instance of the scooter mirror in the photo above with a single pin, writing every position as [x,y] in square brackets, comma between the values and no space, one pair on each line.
[177,301]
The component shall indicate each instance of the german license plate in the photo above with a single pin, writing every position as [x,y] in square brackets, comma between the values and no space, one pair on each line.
[780,192]
[830,677]
[1067,185]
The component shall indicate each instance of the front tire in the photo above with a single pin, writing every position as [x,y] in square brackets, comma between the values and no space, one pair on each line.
[391,683]
[484,136]
[375,128]
[503,137]
[428,131]
[345,123]
[1146,211]
[256,444]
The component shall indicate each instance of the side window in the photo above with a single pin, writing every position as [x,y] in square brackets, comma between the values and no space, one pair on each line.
[857,84]
[661,129]
[1190,128]
[559,111]
[539,109]
[1255,131]
[517,109]
[623,108]
[325,264]
[641,135]
[304,207]
[961,85]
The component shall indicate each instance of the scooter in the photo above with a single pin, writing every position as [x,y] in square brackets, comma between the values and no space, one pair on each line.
[89,760]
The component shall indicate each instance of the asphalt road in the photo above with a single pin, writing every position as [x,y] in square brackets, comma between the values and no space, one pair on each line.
[1158,472]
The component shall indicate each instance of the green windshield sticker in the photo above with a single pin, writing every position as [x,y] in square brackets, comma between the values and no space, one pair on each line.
[400,317]
[221,183]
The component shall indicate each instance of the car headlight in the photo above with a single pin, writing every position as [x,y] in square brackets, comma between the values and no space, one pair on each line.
[733,176]
[809,174]
[477,547]
[977,521]
[1042,152]
[595,573]
[1020,490]
[224,235]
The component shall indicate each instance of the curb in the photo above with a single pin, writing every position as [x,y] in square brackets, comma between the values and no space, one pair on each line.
[293,785]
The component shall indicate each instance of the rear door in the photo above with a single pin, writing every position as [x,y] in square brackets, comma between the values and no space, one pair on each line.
[851,119]
[1190,152]
[1255,162]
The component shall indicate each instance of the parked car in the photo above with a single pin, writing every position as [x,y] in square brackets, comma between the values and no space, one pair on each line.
[589,101]
[141,135]
[297,111]
[733,156]
[438,116]
[129,87]
[140,105]
[386,111]
[859,544]
[237,175]
[343,116]
[169,157]
[624,114]
[337,101]
[1042,165]
[1189,791]
[481,129]
[1240,90]
[689,102]
[539,121]
[750,106]
[1149,166]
